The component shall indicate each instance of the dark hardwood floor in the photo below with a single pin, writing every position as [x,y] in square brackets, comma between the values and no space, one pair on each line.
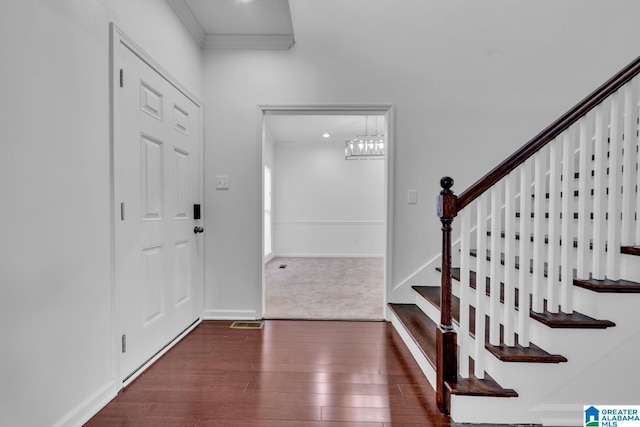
[290,373]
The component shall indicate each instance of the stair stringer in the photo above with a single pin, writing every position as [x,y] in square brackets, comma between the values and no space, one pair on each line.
[617,387]
[560,402]
[630,267]
[554,394]
[427,273]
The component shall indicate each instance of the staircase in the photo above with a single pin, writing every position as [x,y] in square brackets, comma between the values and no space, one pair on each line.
[540,314]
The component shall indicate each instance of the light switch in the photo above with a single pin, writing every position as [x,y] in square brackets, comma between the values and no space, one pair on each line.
[222,182]
[412,197]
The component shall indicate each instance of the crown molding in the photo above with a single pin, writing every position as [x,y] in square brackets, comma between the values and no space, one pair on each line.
[228,41]
[186,16]
[248,41]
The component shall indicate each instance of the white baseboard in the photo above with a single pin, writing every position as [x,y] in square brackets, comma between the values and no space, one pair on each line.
[230,315]
[560,414]
[297,255]
[94,403]
[89,407]
[419,277]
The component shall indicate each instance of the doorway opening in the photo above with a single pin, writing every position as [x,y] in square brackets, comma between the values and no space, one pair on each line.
[326,212]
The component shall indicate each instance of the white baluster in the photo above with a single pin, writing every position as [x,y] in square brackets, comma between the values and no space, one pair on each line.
[586,130]
[599,182]
[629,163]
[538,230]
[465,265]
[524,276]
[553,246]
[568,208]
[509,258]
[481,280]
[494,264]
[615,178]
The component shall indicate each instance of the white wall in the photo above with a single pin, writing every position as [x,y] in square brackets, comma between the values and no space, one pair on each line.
[269,162]
[471,82]
[455,70]
[325,205]
[57,348]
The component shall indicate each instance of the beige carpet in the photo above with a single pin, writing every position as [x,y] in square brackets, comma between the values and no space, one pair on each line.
[324,288]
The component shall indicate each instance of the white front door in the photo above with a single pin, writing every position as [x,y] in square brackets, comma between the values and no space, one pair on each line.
[157,174]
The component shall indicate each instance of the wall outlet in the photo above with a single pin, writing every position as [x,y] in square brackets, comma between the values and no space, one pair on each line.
[222,182]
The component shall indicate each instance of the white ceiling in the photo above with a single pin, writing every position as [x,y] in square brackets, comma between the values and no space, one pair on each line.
[267,24]
[300,129]
[237,24]
[233,17]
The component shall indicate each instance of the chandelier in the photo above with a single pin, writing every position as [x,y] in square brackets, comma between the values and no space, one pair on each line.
[367,146]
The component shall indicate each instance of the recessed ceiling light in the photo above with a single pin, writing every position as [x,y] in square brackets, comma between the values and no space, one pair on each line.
[325,135]
[245,1]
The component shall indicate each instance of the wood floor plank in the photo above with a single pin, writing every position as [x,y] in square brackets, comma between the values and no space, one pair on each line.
[290,373]
[285,423]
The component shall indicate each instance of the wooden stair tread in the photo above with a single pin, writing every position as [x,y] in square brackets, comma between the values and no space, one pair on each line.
[455,274]
[576,320]
[474,252]
[473,386]
[516,353]
[630,250]
[423,332]
[614,286]
[432,294]
[421,328]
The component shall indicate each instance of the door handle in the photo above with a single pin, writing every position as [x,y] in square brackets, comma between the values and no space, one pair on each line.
[198,230]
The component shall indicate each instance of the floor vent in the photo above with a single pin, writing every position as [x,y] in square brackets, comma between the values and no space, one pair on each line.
[247,325]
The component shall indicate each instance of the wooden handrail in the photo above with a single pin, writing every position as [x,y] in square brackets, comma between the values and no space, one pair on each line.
[449,205]
[547,135]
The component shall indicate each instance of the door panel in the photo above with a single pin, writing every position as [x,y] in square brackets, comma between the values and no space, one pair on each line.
[182,276]
[157,178]
[153,285]
[151,167]
[150,100]
[181,167]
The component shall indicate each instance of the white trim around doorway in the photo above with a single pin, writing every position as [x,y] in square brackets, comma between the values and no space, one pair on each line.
[386,110]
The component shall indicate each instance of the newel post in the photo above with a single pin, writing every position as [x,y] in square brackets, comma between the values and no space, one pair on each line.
[446,342]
